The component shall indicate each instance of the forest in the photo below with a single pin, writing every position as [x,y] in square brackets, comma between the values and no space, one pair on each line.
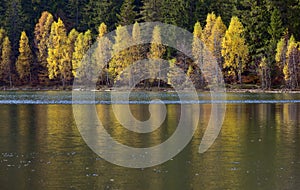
[255,42]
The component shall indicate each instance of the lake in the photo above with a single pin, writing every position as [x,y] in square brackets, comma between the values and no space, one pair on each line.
[258,146]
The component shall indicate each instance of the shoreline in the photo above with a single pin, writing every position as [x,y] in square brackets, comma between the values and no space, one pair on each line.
[154,89]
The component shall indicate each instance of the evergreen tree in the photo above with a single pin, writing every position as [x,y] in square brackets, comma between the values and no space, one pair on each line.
[255,18]
[24,61]
[235,49]
[14,23]
[95,12]
[225,8]
[151,10]
[127,13]
[176,12]
[157,50]
[6,62]
[74,11]
[275,30]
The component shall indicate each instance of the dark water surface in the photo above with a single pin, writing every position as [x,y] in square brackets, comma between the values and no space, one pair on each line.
[257,148]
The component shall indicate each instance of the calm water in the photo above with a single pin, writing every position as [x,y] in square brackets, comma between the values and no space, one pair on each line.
[258,147]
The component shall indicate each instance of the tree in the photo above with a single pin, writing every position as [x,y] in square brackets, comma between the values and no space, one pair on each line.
[95,12]
[81,67]
[6,62]
[24,61]
[216,38]
[2,37]
[127,13]
[41,43]
[290,69]
[210,22]
[151,10]
[176,12]
[138,51]
[157,50]
[58,65]
[14,23]
[225,8]
[235,49]
[281,52]
[103,53]
[255,18]
[121,55]
[265,74]
[74,11]
[198,55]
[275,30]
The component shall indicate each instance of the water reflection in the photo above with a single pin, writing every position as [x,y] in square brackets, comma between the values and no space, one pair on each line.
[258,148]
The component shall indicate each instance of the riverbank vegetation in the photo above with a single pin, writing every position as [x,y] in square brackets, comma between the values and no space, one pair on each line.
[255,43]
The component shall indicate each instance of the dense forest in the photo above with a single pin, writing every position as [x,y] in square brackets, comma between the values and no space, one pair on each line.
[255,42]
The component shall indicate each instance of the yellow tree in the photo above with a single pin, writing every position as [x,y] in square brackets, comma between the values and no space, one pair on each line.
[290,68]
[57,52]
[103,53]
[121,55]
[281,52]
[234,49]
[157,50]
[41,42]
[24,61]
[210,22]
[81,68]
[6,63]
[198,55]
[216,38]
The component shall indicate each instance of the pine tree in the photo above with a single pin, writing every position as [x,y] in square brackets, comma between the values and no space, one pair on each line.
[256,18]
[95,12]
[6,62]
[157,50]
[14,23]
[25,58]
[275,30]
[151,10]
[176,12]
[235,49]
[225,8]
[127,14]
